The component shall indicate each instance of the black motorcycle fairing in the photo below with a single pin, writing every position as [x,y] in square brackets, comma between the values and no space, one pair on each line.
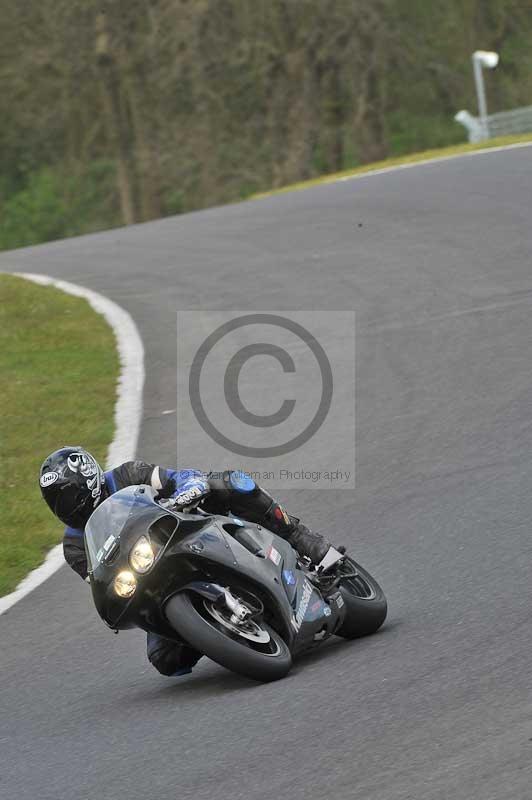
[112,530]
[300,613]
[197,547]
[217,555]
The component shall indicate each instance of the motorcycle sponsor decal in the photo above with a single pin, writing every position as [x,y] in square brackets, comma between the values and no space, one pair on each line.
[303,605]
[339,600]
[106,547]
[48,478]
[209,537]
[289,577]
[274,555]
[320,608]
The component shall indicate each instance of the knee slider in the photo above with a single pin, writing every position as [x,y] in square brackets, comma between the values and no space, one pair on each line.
[245,496]
[240,482]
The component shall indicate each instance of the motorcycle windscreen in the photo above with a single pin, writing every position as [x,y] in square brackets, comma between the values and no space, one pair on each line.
[107,522]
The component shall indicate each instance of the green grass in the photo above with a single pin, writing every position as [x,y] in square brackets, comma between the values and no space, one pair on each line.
[396,161]
[59,370]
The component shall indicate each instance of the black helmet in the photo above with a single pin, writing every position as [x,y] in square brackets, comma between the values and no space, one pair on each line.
[72,483]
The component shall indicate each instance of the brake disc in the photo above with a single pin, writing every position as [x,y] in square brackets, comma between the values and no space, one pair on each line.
[248,630]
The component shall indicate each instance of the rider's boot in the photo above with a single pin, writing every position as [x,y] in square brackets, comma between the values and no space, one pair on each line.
[307,542]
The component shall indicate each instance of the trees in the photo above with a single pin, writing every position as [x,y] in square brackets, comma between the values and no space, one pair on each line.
[186,103]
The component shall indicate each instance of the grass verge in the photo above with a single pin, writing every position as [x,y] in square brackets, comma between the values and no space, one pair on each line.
[59,368]
[398,161]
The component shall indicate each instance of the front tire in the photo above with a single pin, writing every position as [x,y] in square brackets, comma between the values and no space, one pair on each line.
[366,605]
[262,656]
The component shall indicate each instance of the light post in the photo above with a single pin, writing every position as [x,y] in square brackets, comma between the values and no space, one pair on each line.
[488,60]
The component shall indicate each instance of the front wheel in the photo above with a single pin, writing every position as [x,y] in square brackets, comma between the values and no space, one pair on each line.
[366,605]
[254,649]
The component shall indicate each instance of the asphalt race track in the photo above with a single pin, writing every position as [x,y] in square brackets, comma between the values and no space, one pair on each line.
[437,262]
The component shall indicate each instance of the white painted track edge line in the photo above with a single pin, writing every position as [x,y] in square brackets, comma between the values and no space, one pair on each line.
[127,412]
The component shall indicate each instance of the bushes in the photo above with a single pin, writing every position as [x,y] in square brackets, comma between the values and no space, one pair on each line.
[34,214]
[54,204]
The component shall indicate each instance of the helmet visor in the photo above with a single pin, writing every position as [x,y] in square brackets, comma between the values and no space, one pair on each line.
[73,506]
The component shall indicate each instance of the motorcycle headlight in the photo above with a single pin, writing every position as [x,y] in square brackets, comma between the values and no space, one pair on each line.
[142,556]
[125,584]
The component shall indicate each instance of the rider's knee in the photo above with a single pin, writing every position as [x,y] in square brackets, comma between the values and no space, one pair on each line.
[235,491]
[238,492]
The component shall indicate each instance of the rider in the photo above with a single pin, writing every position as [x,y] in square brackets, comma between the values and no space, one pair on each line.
[73,484]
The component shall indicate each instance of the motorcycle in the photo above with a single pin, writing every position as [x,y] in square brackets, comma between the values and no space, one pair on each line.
[231,589]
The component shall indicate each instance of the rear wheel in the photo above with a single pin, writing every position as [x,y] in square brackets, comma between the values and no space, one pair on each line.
[251,648]
[365,603]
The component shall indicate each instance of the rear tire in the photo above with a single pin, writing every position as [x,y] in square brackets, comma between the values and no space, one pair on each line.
[188,613]
[364,614]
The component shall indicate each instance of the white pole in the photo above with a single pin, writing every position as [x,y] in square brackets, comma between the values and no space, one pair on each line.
[483,58]
[481,95]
